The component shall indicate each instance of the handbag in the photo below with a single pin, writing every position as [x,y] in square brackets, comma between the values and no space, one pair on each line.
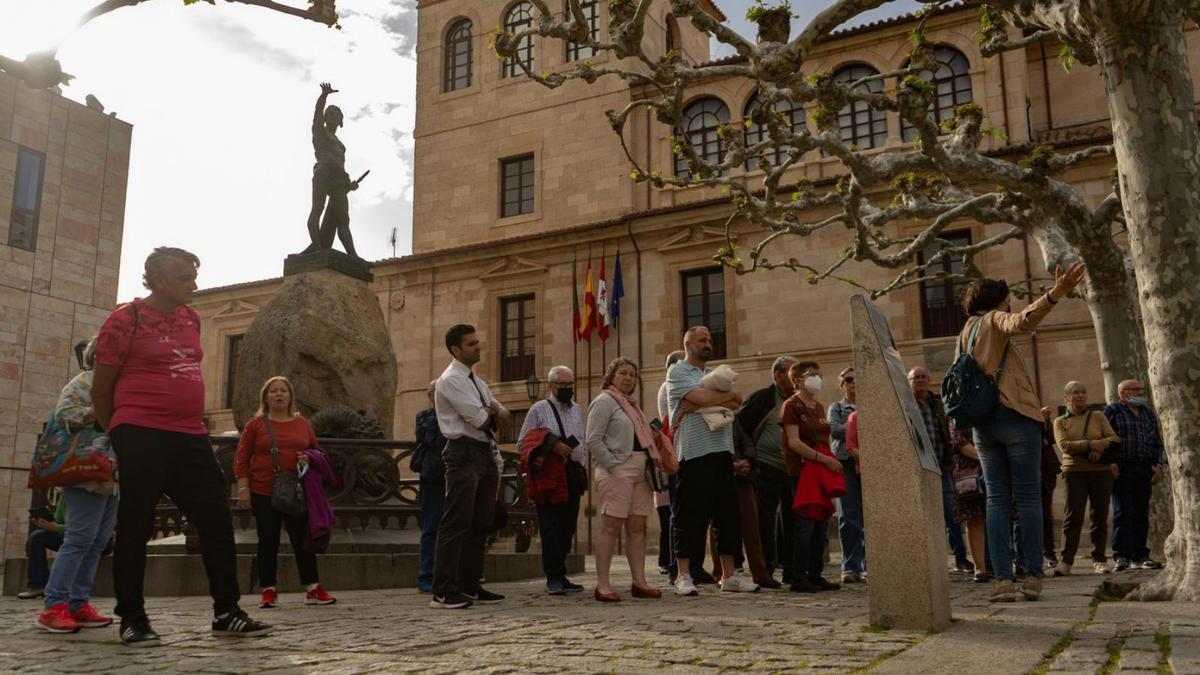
[968,480]
[968,396]
[287,494]
[63,458]
[577,475]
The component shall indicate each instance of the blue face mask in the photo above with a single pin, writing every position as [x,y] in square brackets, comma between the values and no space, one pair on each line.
[1139,401]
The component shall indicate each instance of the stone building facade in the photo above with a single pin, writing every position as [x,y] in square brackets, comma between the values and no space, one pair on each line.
[516,183]
[63,172]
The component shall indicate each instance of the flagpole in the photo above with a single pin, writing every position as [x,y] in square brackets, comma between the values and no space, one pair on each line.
[603,341]
[591,461]
[617,321]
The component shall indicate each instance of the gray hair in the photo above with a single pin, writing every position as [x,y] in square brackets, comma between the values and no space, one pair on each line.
[675,357]
[1074,386]
[156,262]
[552,376]
[691,332]
[782,364]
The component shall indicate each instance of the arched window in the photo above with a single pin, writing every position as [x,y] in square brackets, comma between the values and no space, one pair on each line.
[591,12]
[459,51]
[700,121]
[859,123]
[518,18]
[756,125]
[952,81]
[673,39]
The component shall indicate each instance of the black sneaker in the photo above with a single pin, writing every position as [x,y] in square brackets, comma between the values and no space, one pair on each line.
[804,586]
[1149,564]
[571,586]
[484,597]
[556,586]
[238,624]
[824,584]
[964,566]
[1120,564]
[138,633]
[450,601]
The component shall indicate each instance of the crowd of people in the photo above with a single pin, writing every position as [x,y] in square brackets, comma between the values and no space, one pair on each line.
[754,479]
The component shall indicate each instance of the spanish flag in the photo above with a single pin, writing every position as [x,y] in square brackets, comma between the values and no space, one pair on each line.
[589,305]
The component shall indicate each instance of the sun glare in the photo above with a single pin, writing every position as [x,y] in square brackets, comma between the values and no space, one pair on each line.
[28,26]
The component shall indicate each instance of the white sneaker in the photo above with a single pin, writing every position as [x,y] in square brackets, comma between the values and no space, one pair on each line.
[684,585]
[738,584]
[1101,568]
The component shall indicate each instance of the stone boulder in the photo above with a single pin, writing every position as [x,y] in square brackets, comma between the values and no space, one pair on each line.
[325,332]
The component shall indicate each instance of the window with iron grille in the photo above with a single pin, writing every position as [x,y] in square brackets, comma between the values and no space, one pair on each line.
[459,51]
[27,199]
[941,308]
[233,344]
[519,17]
[701,118]
[704,304]
[858,122]
[516,338]
[591,12]
[952,82]
[756,125]
[516,186]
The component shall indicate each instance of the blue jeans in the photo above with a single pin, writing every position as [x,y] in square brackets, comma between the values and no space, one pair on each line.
[850,521]
[433,504]
[90,521]
[1131,510]
[1010,450]
[953,529]
[37,570]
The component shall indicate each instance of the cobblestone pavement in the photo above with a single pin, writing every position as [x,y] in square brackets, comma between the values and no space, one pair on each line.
[770,631]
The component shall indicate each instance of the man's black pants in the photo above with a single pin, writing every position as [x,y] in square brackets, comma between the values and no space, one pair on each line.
[775,491]
[556,522]
[152,462]
[707,493]
[471,487]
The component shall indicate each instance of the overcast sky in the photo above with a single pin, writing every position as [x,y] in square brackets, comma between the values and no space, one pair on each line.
[221,100]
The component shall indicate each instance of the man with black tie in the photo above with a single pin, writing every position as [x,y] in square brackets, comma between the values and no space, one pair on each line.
[469,417]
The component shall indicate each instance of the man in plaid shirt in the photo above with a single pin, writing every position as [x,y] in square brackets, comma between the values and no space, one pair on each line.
[1140,457]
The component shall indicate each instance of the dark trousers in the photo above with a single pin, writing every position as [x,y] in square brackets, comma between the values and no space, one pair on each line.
[1084,487]
[471,485]
[37,568]
[433,505]
[775,491]
[811,537]
[953,530]
[556,522]
[268,521]
[664,536]
[1131,510]
[707,492]
[183,467]
[751,544]
[1048,484]
[696,564]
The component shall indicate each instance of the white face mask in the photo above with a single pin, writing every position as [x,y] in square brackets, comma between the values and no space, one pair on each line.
[813,384]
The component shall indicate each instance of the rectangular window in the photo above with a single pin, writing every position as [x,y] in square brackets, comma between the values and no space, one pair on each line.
[516,338]
[27,199]
[941,294]
[232,345]
[704,304]
[516,186]
[575,51]
[518,421]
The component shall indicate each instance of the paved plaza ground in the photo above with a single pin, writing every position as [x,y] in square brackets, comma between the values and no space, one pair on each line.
[770,631]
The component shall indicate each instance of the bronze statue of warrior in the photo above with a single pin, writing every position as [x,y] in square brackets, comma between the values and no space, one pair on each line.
[330,182]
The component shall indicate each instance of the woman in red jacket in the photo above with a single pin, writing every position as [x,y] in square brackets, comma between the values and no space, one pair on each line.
[255,471]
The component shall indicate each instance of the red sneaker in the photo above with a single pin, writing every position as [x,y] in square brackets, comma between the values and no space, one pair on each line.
[269,598]
[88,617]
[318,596]
[57,619]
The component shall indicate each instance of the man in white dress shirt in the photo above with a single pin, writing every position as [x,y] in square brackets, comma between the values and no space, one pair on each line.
[469,417]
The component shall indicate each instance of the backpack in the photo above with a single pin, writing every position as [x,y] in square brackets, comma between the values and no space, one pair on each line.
[968,395]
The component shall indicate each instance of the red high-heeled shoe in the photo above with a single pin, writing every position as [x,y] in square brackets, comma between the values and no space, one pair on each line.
[639,592]
[606,597]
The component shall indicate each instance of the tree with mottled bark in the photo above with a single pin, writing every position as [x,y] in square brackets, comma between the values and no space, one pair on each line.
[945,178]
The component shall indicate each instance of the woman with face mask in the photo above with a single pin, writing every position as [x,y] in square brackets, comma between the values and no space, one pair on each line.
[805,442]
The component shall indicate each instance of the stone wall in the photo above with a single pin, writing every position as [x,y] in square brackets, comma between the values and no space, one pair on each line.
[62,290]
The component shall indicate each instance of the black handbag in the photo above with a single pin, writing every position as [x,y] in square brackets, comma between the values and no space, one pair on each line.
[968,396]
[287,494]
[577,475]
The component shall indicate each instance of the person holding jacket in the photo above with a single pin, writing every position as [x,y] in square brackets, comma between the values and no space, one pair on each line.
[1009,440]
[254,467]
[1087,442]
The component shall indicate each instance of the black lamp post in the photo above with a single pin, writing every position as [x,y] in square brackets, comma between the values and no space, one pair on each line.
[533,387]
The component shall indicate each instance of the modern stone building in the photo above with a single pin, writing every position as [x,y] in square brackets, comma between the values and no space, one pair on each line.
[63,171]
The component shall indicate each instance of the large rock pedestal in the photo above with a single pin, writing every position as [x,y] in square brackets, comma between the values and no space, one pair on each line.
[324,330]
[902,486]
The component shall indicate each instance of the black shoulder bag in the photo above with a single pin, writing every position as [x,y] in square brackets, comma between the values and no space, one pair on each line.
[968,396]
[287,494]
[577,477]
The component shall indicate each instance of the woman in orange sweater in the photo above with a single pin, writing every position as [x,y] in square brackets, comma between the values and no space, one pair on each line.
[255,471]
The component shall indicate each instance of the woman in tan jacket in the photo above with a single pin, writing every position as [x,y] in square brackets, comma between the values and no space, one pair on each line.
[1086,440]
[1009,442]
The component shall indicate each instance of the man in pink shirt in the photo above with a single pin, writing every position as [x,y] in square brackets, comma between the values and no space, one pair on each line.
[148,393]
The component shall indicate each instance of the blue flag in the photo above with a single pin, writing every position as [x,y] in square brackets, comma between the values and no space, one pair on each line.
[618,290]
